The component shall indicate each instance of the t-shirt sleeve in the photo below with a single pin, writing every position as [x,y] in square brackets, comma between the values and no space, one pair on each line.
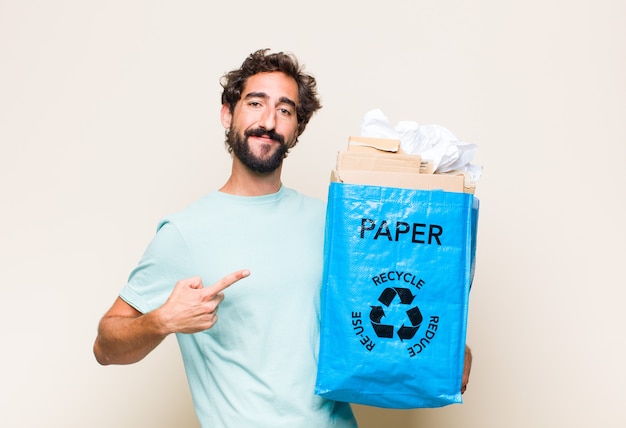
[165,262]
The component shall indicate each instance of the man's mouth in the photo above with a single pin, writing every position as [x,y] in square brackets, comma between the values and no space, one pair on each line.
[265,135]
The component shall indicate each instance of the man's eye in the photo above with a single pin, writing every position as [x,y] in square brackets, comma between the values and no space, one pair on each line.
[254,104]
[285,111]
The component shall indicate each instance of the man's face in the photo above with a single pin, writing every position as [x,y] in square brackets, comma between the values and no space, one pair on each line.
[263,126]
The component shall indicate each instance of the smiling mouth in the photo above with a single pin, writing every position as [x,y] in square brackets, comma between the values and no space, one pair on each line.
[265,136]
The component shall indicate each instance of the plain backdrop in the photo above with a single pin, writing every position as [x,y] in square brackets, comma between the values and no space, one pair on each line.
[109,120]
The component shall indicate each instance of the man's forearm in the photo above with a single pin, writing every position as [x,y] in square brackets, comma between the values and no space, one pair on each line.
[126,340]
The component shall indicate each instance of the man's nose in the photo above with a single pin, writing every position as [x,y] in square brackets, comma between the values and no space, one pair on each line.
[268,119]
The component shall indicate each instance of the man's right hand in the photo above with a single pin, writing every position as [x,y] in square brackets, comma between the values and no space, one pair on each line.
[126,336]
[192,307]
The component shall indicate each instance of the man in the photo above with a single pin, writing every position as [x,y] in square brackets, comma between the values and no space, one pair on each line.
[256,367]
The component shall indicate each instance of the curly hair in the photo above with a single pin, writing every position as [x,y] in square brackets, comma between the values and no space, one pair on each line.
[261,61]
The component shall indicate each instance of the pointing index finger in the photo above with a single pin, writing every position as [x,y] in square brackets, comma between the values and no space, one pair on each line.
[227,281]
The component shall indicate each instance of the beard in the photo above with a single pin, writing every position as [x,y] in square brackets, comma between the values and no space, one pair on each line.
[238,145]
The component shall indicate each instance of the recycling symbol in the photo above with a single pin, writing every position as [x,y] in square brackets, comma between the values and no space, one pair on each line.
[413,314]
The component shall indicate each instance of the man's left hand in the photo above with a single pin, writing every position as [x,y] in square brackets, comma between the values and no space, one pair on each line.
[467,366]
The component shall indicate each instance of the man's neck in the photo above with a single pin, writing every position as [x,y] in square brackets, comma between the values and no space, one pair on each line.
[245,182]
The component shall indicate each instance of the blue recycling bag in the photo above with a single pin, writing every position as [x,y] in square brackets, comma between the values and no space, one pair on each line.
[398,266]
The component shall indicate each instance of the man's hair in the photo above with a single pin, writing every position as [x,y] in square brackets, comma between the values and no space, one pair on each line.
[263,62]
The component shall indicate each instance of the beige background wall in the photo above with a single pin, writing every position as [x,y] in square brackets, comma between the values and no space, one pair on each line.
[109,120]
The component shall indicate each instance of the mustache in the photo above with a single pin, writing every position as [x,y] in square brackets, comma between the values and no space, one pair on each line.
[271,134]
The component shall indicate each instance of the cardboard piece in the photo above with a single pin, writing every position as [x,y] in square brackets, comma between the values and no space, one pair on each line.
[407,180]
[378,162]
[373,145]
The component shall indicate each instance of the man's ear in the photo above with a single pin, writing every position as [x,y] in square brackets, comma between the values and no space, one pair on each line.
[226,116]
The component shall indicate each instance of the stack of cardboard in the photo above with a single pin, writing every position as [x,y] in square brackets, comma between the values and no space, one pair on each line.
[380,162]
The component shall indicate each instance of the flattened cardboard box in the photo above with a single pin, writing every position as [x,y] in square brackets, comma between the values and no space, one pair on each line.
[372,161]
[372,145]
[407,180]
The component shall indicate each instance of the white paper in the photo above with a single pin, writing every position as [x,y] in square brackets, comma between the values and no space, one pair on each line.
[432,142]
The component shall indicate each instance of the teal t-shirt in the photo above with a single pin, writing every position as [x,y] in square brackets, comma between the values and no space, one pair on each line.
[256,367]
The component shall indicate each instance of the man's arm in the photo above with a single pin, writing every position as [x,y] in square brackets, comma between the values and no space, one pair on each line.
[126,336]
